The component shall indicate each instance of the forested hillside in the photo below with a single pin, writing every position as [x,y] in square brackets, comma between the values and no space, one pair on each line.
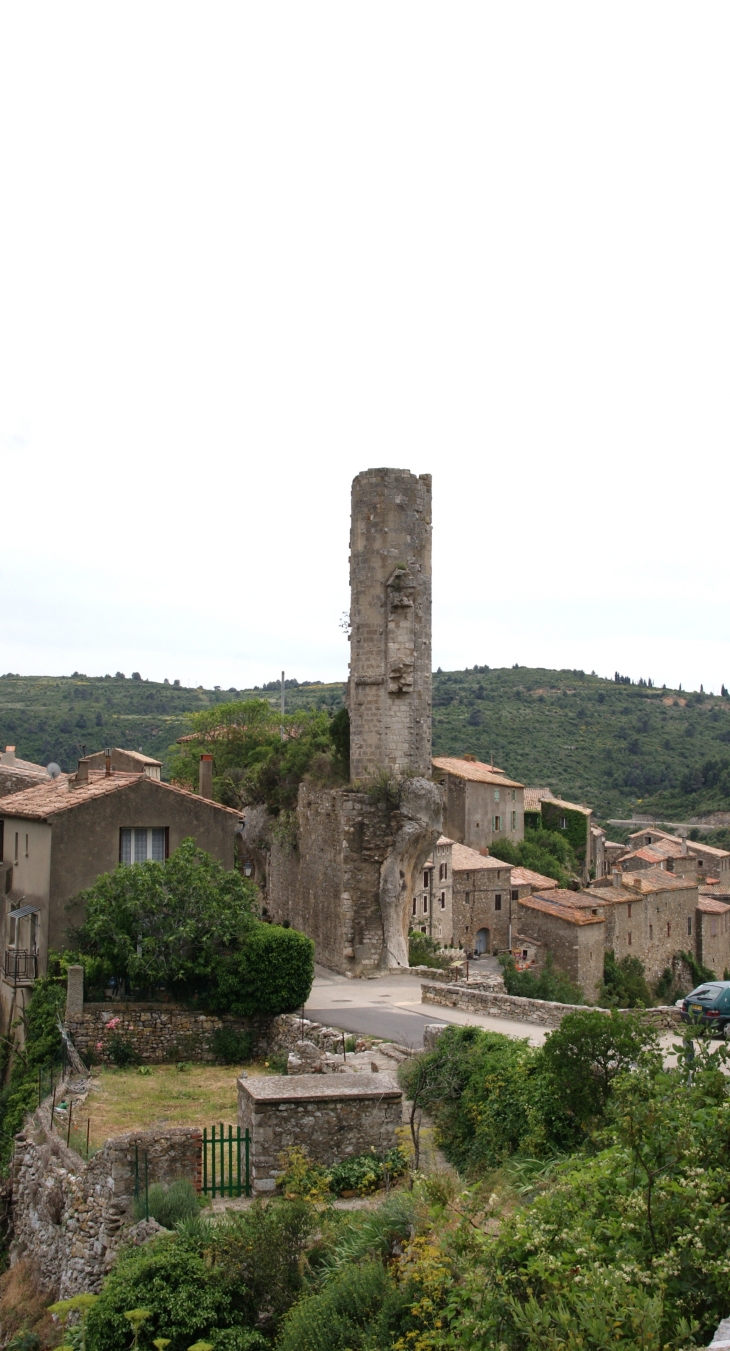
[617,746]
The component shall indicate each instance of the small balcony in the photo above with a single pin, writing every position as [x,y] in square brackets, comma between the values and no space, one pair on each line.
[21,966]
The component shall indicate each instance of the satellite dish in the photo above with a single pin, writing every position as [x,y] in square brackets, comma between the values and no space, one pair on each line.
[53,769]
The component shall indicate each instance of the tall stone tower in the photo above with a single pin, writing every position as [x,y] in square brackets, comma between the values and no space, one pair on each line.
[390,623]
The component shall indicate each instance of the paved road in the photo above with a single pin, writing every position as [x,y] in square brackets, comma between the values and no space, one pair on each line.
[390,1006]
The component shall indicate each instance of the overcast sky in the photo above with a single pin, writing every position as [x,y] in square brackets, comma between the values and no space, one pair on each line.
[249,249]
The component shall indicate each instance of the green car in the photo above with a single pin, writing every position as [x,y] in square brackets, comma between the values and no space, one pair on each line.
[709,1005]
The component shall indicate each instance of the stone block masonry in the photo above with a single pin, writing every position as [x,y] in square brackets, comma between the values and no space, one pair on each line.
[390,617]
[544,1012]
[156,1032]
[71,1216]
[332,1117]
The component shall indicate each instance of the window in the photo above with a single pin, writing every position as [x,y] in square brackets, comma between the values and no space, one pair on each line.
[514,820]
[415,905]
[563,823]
[651,932]
[496,823]
[425,877]
[442,900]
[628,910]
[466,897]
[689,926]
[12,932]
[496,795]
[713,927]
[141,844]
[629,938]
[514,894]
[669,931]
[514,794]
[466,877]
[498,902]
[425,905]
[700,863]
[27,850]
[16,846]
[442,872]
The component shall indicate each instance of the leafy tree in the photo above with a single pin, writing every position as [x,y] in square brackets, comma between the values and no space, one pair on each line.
[544,984]
[166,923]
[544,851]
[271,972]
[624,983]
[583,1056]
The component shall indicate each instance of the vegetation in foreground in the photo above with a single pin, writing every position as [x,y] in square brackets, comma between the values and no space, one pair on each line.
[591,1212]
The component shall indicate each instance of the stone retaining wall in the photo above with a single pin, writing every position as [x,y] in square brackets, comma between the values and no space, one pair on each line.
[71,1215]
[544,1012]
[157,1032]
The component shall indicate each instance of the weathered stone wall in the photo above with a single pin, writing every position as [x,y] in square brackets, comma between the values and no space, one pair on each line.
[332,1117]
[541,1011]
[157,1032]
[348,881]
[70,1215]
[577,948]
[390,616]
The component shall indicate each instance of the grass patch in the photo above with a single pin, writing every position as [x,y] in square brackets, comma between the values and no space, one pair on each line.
[125,1100]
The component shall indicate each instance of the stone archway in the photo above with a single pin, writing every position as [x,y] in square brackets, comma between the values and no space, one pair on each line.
[483,941]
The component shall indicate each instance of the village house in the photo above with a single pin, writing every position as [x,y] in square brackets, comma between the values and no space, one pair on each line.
[711,862]
[59,836]
[468,897]
[480,803]
[15,774]
[573,934]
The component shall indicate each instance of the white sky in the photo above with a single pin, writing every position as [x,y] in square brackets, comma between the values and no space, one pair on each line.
[249,249]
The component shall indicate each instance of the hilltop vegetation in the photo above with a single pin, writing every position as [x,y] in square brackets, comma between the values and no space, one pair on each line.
[617,746]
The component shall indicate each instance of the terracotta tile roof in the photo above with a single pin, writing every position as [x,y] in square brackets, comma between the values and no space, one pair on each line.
[98,757]
[464,859]
[525,877]
[656,879]
[474,770]
[48,799]
[709,906]
[651,853]
[534,796]
[569,914]
[674,843]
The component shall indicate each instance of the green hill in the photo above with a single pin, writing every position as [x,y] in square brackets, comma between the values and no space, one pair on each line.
[619,747]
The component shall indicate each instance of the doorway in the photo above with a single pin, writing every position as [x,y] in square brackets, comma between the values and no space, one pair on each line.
[482,941]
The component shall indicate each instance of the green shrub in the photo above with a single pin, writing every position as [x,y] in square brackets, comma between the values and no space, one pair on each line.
[42,1046]
[231,1046]
[121,1052]
[169,1205]
[425,951]
[365,1173]
[624,983]
[546,984]
[342,1316]
[278,1062]
[271,973]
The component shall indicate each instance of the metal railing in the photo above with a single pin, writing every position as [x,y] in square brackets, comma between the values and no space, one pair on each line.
[20,964]
[226,1162]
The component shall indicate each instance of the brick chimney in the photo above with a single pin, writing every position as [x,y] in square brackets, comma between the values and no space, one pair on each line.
[205,777]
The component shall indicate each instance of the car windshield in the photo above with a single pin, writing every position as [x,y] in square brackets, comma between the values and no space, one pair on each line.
[706,992]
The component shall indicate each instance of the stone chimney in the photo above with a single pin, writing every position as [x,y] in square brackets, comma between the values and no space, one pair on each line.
[8,756]
[684,846]
[616,877]
[82,774]
[205,777]
[389,692]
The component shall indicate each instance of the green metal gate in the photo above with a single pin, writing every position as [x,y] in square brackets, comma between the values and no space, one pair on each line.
[226,1161]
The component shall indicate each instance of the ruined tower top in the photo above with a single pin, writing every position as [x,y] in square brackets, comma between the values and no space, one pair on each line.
[390,623]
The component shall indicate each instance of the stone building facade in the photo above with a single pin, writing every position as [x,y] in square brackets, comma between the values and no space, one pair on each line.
[389,693]
[710,862]
[331,1116]
[713,934]
[481,804]
[573,935]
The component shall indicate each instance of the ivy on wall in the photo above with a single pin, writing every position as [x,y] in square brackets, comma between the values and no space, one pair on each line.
[575,829]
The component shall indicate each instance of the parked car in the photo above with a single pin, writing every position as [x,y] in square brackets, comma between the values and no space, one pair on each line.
[709,1006]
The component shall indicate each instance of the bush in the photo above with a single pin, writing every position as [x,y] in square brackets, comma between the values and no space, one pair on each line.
[624,983]
[365,1173]
[232,1047]
[343,1315]
[271,973]
[121,1052]
[547,984]
[42,1046]
[425,951]
[169,1205]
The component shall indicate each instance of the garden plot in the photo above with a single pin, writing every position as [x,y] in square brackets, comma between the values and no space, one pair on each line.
[163,1095]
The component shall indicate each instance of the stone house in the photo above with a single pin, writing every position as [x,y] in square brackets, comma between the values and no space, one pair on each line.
[468,897]
[480,803]
[711,862]
[573,934]
[713,934]
[525,882]
[58,837]
[15,774]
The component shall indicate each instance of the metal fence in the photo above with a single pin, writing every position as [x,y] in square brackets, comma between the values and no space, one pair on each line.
[226,1169]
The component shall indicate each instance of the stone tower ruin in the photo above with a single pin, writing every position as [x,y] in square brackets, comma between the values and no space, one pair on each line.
[347,874]
[389,693]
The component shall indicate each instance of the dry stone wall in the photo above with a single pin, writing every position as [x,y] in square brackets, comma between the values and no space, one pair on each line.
[157,1032]
[71,1215]
[544,1012]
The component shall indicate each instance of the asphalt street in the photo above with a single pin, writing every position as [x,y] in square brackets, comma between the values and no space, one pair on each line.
[390,1006]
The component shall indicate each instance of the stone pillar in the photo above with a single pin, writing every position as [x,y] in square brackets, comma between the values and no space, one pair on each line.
[74,993]
[205,777]
[389,692]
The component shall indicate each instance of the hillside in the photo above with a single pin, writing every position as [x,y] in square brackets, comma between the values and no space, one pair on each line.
[618,747]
